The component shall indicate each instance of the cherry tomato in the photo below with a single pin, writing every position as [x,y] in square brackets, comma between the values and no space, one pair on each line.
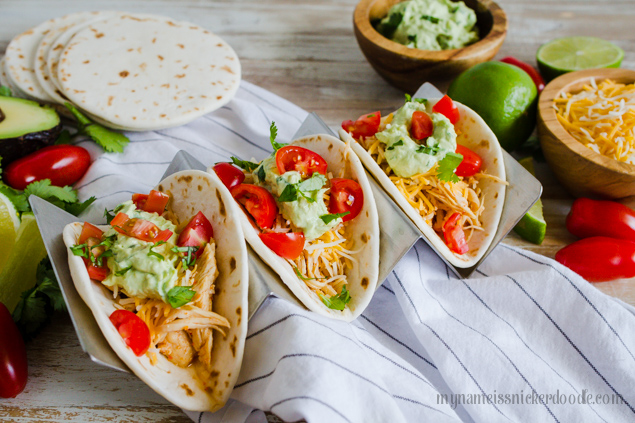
[471,163]
[197,233]
[154,202]
[601,218]
[139,228]
[62,164]
[454,235]
[133,330]
[258,202]
[365,126]
[346,196]
[287,245]
[89,231]
[230,175]
[531,71]
[599,258]
[13,363]
[447,108]
[421,125]
[300,159]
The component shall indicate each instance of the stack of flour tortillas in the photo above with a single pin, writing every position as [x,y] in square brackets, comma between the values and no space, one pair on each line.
[126,71]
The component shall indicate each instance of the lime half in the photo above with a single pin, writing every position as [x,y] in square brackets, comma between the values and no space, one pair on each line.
[532,227]
[569,54]
[9,223]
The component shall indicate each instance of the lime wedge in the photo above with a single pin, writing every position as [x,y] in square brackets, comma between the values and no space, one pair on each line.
[9,223]
[18,274]
[532,227]
[569,54]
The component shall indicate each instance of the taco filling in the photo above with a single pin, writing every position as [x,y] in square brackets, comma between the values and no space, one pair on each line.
[301,210]
[416,147]
[161,272]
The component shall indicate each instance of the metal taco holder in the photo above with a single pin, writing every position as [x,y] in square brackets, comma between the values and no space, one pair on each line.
[397,236]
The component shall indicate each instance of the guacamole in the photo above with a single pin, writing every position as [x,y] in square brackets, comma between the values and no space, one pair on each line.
[430,24]
[147,275]
[303,213]
[407,157]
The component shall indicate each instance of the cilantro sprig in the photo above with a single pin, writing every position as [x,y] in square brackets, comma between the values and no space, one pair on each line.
[179,296]
[337,302]
[63,197]
[447,166]
[305,189]
[244,164]
[409,99]
[273,133]
[328,218]
[188,257]
[111,141]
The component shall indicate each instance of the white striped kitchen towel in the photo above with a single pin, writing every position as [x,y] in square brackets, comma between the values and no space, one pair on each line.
[525,340]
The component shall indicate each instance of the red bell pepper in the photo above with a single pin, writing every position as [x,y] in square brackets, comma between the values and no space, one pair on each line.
[530,70]
[601,218]
[600,259]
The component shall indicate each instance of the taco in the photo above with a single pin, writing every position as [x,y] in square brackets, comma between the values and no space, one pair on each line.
[444,167]
[309,213]
[167,283]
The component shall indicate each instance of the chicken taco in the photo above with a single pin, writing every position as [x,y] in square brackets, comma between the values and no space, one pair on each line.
[444,167]
[167,282]
[309,213]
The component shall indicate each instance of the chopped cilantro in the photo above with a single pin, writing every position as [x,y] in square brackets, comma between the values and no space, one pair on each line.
[189,258]
[303,189]
[430,18]
[154,253]
[397,144]
[388,27]
[111,141]
[447,166]
[123,271]
[412,38]
[408,98]
[80,250]
[244,164]
[289,193]
[328,218]
[273,133]
[180,295]
[110,214]
[337,302]
[428,150]
[260,173]
[5,91]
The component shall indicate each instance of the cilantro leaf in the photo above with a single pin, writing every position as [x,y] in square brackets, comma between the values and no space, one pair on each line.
[299,275]
[430,18]
[48,192]
[397,144]
[428,150]
[447,166]
[408,98]
[110,141]
[260,174]
[244,164]
[289,193]
[154,253]
[273,133]
[124,270]
[64,138]
[337,302]
[328,218]
[16,197]
[5,91]
[77,208]
[387,27]
[80,250]
[420,100]
[180,295]
[189,258]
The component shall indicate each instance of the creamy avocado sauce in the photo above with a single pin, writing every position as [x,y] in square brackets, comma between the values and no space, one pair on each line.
[430,24]
[405,156]
[147,276]
[303,214]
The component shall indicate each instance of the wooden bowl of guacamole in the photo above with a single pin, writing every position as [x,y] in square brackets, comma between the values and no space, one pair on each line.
[415,41]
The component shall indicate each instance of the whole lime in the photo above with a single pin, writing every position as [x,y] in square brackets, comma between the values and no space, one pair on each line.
[503,95]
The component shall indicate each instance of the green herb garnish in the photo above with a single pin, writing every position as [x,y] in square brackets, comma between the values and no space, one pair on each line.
[430,18]
[244,164]
[337,302]
[447,166]
[5,91]
[328,218]
[398,143]
[189,257]
[111,141]
[123,271]
[299,275]
[388,27]
[180,295]
[273,133]
[428,150]
[154,253]
[305,189]
[62,197]
[260,173]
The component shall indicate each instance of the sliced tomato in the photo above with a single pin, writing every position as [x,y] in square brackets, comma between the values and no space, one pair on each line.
[97,273]
[471,163]
[230,175]
[365,126]
[346,196]
[133,330]
[258,202]
[197,233]
[154,202]
[421,125]
[447,108]
[287,245]
[89,231]
[300,159]
[454,235]
[139,228]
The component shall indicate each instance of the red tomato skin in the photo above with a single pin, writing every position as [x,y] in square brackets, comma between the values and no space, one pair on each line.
[601,218]
[530,70]
[89,231]
[287,245]
[139,228]
[471,163]
[421,125]
[341,192]
[97,273]
[13,362]
[454,235]
[365,126]
[154,202]
[447,108]
[197,233]
[62,164]
[258,202]
[599,258]
[230,175]
[133,330]
[300,159]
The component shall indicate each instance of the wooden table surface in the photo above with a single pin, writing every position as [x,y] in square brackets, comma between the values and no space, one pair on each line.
[305,52]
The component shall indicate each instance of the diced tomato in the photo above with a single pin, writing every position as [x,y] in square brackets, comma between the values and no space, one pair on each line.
[119,219]
[447,108]
[365,126]
[300,159]
[139,228]
[97,273]
[89,231]
[154,202]
[230,175]
[454,235]
[197,233]
[258,202]
[421,125]
[346,196]
[287,245]
[133,330]
[471,163]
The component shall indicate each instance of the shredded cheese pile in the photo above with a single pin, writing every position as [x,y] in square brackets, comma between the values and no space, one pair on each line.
[601,117]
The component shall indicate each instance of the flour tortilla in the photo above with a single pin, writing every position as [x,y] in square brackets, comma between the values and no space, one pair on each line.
[191,191]
[147,72]
[473,133]
[364,229]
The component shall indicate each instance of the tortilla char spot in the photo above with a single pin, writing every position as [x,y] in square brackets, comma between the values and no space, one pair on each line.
[187,179]
[484,143]
[367,215]
[364,282]
[123,74]
[220,203]
[200,188]
[181,45]
[232,266]
[227,69]
[161,188]
[86,62]
[154,40]
[110,98]
[495,160]
[209,390]
[188,391]
[232,346]
[226,384]
[330,147]
[219,97]
[364,238]
[495,195]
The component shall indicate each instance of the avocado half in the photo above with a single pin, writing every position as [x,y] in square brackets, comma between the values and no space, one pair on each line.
[25,126]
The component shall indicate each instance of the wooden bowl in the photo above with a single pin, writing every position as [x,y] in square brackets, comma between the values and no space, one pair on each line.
[582,171]
[407,68]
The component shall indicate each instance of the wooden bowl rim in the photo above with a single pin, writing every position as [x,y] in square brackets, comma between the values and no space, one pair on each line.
[498,31]
[547,113]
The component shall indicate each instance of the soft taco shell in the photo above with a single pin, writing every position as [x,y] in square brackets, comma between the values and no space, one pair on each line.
[191,191]
[473,133]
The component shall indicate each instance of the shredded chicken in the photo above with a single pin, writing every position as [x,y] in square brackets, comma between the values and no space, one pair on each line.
[177,348]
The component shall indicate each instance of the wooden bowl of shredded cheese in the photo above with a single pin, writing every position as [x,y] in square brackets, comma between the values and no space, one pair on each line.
[586,126]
